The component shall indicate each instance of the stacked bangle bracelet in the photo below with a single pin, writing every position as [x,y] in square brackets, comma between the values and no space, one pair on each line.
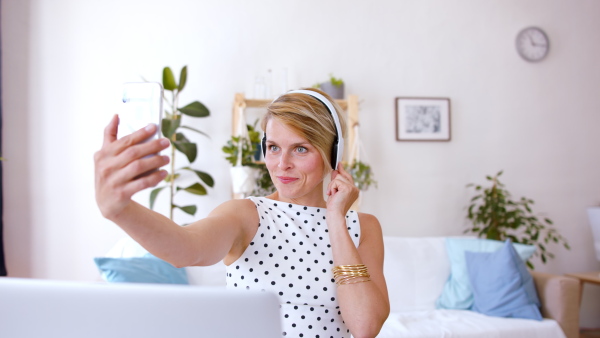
[350,274]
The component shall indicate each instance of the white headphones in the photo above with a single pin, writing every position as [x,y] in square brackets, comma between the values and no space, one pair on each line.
[337,151]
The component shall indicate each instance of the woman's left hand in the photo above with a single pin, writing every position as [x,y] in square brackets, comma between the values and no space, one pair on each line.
[341,191]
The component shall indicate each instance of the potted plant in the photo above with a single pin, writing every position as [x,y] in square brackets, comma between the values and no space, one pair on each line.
[334,87]
[362,175]
[495,215]
[258,182]
[172,128]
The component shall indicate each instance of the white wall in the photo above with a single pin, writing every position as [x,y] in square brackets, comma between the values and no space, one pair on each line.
[62,60]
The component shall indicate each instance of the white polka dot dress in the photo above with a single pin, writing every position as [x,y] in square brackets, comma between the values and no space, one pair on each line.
[291,256]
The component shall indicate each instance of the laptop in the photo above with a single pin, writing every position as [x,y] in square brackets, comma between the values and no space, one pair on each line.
[43,308]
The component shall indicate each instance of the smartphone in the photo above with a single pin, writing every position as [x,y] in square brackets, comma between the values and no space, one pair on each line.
[141,105]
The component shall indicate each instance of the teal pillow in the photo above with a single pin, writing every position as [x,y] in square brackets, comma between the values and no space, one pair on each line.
[501,284]
[457,292]
[146,269]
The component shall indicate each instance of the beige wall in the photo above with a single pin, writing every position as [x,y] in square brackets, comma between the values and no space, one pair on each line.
[63,59]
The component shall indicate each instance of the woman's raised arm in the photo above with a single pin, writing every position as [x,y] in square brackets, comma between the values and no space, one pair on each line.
[120,168]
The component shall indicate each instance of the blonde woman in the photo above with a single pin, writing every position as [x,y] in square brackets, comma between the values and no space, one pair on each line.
[323,261]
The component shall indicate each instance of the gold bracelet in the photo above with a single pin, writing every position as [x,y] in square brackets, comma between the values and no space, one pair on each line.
[348,274]
[355,282]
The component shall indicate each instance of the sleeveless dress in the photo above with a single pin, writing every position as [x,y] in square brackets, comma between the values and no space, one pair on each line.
[291,256]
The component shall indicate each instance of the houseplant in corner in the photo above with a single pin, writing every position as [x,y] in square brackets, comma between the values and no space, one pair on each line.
[172,129]
[495,215]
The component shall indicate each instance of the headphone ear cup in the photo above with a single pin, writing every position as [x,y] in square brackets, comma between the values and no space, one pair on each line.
[263,145]
[334,152]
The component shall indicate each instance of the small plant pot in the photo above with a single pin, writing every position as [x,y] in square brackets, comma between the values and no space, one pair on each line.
[336,92]
[243,179]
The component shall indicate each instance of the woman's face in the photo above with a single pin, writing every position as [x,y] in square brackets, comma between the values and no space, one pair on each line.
[295,165]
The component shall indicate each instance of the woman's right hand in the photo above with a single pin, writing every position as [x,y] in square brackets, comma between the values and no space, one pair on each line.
[119,164]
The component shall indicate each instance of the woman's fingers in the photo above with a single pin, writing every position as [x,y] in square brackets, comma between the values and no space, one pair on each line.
[144,182]
[110,131]
[139,168]
[140,151]
[135,138]
[127,165]
[344,173]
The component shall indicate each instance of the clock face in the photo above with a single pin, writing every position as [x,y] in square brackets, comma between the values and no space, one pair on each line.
[532,44]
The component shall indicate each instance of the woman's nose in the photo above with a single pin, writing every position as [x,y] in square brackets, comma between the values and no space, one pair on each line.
[285,161]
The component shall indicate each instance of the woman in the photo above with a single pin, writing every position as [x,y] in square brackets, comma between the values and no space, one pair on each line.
[324,261]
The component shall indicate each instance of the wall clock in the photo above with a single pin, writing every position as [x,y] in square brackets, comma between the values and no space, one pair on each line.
[532,44]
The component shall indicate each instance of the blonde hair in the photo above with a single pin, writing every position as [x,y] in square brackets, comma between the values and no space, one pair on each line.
[309,118]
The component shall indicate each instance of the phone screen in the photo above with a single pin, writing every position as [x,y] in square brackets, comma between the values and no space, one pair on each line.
[141,105]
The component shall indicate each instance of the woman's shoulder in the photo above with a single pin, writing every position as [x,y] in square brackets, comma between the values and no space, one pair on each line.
[369,225]
[367,219]
[236,208]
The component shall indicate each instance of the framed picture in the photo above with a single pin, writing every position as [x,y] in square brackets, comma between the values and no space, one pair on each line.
[422,119]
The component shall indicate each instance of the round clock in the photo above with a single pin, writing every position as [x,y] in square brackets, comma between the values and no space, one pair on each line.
[532,44]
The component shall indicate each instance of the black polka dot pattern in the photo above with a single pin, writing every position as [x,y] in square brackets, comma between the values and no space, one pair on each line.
[290,255]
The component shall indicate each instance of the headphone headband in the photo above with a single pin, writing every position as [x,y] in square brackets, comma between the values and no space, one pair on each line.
[338,143]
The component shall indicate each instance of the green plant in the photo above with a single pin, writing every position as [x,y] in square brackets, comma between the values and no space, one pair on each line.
[250,146]
[496,216]
[335,81]
[362,174]
[171,128]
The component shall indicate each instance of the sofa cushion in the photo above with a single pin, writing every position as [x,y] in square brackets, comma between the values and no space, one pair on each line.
[415,270]
[501,284]
[147,269]
[457,292]
[464,324]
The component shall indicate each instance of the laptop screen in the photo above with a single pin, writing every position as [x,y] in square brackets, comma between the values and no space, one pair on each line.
[44,308]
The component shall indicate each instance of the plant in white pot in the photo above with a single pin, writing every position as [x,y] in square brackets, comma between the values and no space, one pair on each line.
[249,177]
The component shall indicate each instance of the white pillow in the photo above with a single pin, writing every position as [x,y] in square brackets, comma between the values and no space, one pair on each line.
[416,269]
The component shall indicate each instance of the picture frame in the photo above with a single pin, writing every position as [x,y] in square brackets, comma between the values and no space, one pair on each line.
[423,119]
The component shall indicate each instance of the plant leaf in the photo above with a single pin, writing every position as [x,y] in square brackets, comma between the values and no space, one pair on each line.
[530,265]
[206,178]
[182,78]
[188,209]
[168,79]
[196,189]
[195,109]
[188,149]
[153,195]
[169,127]
[196,130]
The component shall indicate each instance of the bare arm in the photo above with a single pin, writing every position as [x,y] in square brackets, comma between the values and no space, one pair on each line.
[118,167]
[364,306]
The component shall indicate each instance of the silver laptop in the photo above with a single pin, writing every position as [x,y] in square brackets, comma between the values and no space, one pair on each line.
[41,308]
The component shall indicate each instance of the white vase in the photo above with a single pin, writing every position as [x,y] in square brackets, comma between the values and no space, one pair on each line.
[243,179]
[594,218]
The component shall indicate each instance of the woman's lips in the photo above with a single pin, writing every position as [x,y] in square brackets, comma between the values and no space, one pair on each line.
[286,180]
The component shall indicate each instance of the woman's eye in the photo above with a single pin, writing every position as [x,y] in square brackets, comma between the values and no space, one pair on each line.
[273,148]
[301,150]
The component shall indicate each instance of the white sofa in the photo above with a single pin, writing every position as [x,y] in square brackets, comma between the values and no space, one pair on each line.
[416,270]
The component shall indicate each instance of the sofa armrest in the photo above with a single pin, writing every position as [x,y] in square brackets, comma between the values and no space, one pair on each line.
[559,296]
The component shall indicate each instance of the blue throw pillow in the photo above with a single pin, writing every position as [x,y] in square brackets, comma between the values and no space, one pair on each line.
[146,269]
[457,292]
[502,286]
